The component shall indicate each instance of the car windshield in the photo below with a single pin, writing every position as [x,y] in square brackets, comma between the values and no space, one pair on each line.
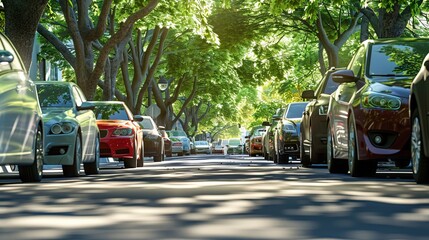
[259,132]
[54,96]
[111,112]
[146,124]
[234,142]
[177,134]
[387,60]
[295,110]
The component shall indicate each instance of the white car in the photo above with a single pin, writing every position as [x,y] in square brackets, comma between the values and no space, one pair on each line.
[202,147]
[21,127]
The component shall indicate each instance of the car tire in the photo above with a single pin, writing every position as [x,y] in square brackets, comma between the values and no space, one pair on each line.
[180,154]
[419,161]
[335,165]
[305,159]
[132,162]
[140,161]
[94,166]
[74,169]
[34,172]
[358,168]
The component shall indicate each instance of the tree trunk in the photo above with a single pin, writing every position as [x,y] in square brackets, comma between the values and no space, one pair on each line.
[22,19]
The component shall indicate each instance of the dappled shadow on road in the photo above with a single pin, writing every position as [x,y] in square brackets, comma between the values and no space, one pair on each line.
[228,197]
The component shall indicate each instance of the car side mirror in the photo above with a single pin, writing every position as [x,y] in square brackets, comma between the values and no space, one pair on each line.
[308,94]
[426,65]
[344,76]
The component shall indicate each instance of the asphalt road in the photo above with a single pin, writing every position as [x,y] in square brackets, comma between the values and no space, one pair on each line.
[215,197]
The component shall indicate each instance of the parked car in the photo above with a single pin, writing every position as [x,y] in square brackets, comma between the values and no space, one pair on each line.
[21,121]
[287,131]
[313,134]
[419,107]
[234,146]
[268,136]
[202,147]
[167,143]
[176,146]
[220,146]
[121,135]
[368,118]
[153,141]
[186,142]
[71,136]
[255,141]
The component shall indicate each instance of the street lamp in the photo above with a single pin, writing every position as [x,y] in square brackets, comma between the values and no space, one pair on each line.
[162,84]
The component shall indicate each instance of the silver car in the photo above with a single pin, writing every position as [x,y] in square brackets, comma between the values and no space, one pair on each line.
[21,128]
[71,135]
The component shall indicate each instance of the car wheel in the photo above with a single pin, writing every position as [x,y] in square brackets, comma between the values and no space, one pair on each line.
[74,169]
[266,155]
[335,165]
[419,160]
[358,168]
[305,159]
[94,166]
[140,161]
[34,172]
[132,162]
[180,154]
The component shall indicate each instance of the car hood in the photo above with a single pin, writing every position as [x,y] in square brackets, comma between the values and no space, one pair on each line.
[58,114]
[394,86]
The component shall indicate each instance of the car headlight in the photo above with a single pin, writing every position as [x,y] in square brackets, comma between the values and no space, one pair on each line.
[380,101]
[63,127]
[123,132]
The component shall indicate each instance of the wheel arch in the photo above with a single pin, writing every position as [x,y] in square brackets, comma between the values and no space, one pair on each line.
[414,105]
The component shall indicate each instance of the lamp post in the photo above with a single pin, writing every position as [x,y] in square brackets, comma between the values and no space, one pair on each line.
[162,84]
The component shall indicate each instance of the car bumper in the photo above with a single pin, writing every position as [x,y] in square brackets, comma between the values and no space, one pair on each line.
[151,148]
[120,147]
[392,126]
[59,149]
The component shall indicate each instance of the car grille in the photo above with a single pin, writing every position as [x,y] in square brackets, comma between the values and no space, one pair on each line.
[103,133]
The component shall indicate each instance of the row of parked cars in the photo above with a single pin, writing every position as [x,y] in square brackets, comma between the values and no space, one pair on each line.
[376,109]
[52,123]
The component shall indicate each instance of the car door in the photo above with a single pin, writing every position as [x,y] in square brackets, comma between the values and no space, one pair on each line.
[18,106]
[87,122]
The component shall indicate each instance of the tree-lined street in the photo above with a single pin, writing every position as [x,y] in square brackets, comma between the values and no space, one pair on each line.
[215,197]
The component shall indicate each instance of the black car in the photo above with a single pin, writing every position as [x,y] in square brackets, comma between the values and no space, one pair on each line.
[153,140]
[419,107]
[287,131]
[368,114]
[313,125]
[268,137]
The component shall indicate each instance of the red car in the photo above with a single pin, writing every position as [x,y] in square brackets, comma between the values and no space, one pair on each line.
[121,136]
[255,141]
